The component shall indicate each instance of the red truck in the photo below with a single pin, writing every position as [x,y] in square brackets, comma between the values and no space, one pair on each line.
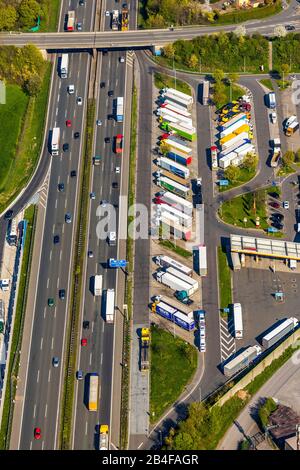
[119,143]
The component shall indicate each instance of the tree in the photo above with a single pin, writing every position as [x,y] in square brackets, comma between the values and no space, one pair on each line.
[169,51]
[28,12]
[8,18]
[297,156]
[240,31]
[33,84]
[250,161]
[284,69]
[232,77]
[193,61]
[219,95]
[232,173]
[218,75]
[288,157]
[280,31]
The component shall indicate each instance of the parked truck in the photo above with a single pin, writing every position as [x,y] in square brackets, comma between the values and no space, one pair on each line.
[180,129]
[235,140]
[97,285]
[144,348]
[71,21]
[171,226]
[166,262]
[55,141]
[179,110]
[237,321]
[236,263]
[271,100]
[64,63]
[176,201]
[179,157]
[202,260]
[174,282]
[119,109]
[178,145]
[173,177]
[185,278]
[279,332]
[242,360]
[173,186]
[173,167]
[174,315]
[276,152]
[115,20]
[236,118]
[124,19]
[93,392]
[205,92]
[109,305]
[103,437]
[291,126]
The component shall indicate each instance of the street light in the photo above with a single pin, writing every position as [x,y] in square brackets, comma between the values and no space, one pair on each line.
[245,220]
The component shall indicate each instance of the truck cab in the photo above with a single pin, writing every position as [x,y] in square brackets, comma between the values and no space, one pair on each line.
[112,238]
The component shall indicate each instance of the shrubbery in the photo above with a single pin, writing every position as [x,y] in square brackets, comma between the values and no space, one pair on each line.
[21,14]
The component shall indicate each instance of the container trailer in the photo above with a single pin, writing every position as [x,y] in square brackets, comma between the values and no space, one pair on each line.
[202,260]
[103,437]
[172,186]
[166,262]
[184,277]
[173,177]
[55,141]
[237,138]
[71,21]
[181,130]
[237,321]
[109,303]
[241,361]
[205,92]
[174,282]
[173,167]
[230,129]
[230,122]
[178,202]
[179,157]
[93,392]
[119,108]
[174,227]
[236,263]
[97,285]
[180,94]
[64,63]
[177,100]
[183,219]
[176,109]
[178,146]
[287,326]
[173,315]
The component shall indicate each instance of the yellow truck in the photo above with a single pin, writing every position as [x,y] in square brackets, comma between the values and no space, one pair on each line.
[93,392]
[144,348]
[243,128]
[103,437]
[227,138]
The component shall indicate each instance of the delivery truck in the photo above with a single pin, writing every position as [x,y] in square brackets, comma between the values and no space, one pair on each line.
[180,129]
[144,348]
[241,360]
[174,282]
[98,285]
[173,315]
[119,109]
[277,333]
[103,437]
[276,152]
[237,320]
[173,167]
[172,186]
[109,305]
[124,18]
[64,64]
[172,177]
[115,20]
[292,128]
[202,260]
[237,138]
[55,138]
[184,277]
[93,392]
[179,110]
[230,129]
[176,201]
[234,147]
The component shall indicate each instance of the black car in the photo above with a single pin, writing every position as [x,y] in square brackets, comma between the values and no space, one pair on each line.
[115,185]
[107,140]
[81,3]
[73,173]
[102,85]
[275,195]
[125,5]
[289,27]
[56,239]
[76,135]
[105,51]
[62,294]
[8,214]
[65,147]
[61,187]
[277,225]
[278,216]
[110,117]
[86,325]
[110,93]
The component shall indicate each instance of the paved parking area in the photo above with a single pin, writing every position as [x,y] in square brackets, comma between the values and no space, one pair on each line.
[253,288]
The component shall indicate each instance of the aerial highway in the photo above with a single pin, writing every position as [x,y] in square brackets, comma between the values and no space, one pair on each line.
[43,381]
[146,38]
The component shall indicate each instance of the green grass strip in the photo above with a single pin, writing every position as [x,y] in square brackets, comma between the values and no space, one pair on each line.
[267,82]
[239,16]
[177,249]
[77,282]
[224,279]
[16,339]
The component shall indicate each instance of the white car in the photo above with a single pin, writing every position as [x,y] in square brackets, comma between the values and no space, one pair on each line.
[99,122]
[286,204]
[117,169]
[273,117]
[202,345]
[122,60]
[92,195]
[79,100]
[71,89]
[107,13]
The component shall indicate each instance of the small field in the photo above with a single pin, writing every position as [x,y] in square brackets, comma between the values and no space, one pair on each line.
[243,210]
[244,175]
[231,94]
[165,81]
[173,364]
[224,279]
[50,25]
[267,82]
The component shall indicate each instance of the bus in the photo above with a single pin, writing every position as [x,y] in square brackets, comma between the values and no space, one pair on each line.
[93,392]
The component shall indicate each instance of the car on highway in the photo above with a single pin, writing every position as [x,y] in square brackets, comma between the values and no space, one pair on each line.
[117,169]
[79,374]
[286,204]
[107,140]
[8,214]
[90,254]
[84,342]
[110,93]
[107,13]
[65,147]
[79,100]
[73,173]
[273,117]
[103,203]
[55,361]
[122,59]
[37,433]
[86,324]
[51,302]
[118,143]
[68,123]
[71,89]
[275,205]
[61,187]
[62,294]
[115,185]
[76,135]
[289,27]
[56,239]
[102,85]
[99,122]
[68,218]
[79,26]
[124,5]
[92,195]
[81,3]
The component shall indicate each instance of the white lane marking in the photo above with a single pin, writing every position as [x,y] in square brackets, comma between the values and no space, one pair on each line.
[55,124]
[68,179]
[92,326]
[63,229]
[43,444]
[86,427]
[58,96]
[38,376]
[45,312]
[48,282]
[102,327]
[58,179]
[59,85]
[66,113]
[30,445]
[56,111]
[52,342]
[101,358]
[60,254]
[50,255]
[34,410]
[117,81]
[91,358]
[57,282]
[70,156]
[78,73]
[55,312]
[140,445]
[53,229]
[66,202]
[49,375]
[41,346]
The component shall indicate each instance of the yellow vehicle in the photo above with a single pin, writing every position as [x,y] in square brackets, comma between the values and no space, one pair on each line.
[145,343]
[93,392]
[103,440]
[243,128]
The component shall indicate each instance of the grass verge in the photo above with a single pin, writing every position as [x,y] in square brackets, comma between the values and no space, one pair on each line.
[244,175]
[129,279]
[76,287]
[26,144]
[52,12]
[177,249]
[14,359]
[267,82]
[162,80]
[224,279]
[240,16]
[242,210]
[231,94]
[173,364]
[208,424]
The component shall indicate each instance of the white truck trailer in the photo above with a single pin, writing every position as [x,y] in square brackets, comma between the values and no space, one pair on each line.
[238,321]
[173,167]
[174,282]
[202,260]
[236,262]
[166,262]
[55,138]
[241,361]
[64,63]
[109,305]
[98,285]
[279,332]
[179,202]
[184,277]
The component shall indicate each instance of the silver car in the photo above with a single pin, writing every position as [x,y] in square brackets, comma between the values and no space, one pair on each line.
[55,362]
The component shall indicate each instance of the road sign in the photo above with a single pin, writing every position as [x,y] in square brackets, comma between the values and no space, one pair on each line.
[223,182]
[272,230]
[115,263]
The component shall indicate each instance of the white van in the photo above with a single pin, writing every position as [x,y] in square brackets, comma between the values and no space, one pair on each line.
[292,264]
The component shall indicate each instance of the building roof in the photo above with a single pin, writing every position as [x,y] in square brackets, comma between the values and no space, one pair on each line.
[286,420]
[265,247]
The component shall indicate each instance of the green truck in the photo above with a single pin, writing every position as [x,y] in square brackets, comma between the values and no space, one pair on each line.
[189,134]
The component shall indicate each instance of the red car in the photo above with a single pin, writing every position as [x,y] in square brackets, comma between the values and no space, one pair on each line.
[118,143]
[84,342]
[37,433]
[275,204]
[68,123]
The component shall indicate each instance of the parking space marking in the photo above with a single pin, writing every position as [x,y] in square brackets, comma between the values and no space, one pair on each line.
[227,341]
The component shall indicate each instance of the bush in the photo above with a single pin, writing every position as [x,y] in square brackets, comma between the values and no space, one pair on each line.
[265,410]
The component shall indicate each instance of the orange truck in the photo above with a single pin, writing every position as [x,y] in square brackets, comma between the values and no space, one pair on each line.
[119,143]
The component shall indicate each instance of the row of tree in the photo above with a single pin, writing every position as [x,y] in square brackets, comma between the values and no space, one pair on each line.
[21,14]
[22,66]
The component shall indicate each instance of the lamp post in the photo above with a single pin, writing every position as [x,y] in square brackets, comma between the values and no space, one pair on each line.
[245,220]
